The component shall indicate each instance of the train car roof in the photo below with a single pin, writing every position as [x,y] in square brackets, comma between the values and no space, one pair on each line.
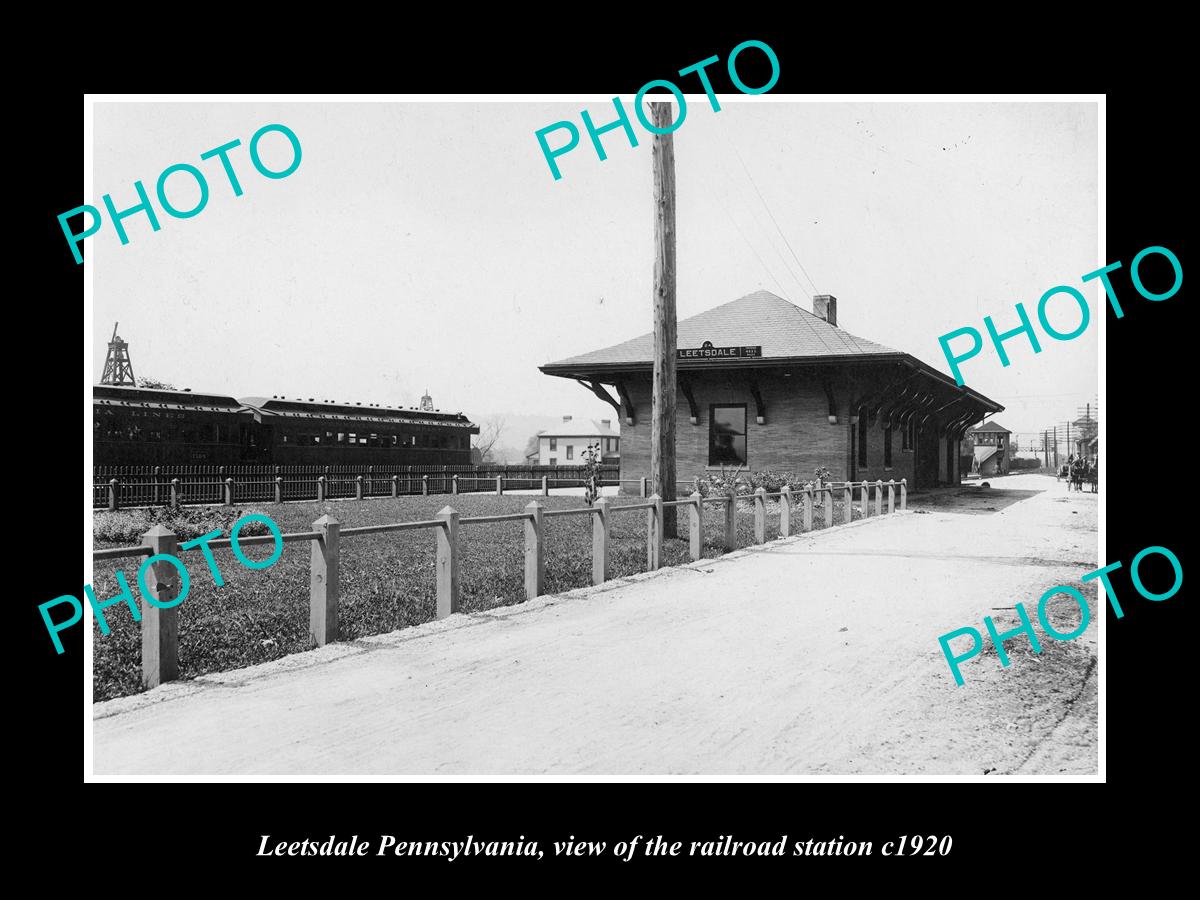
[284,408]
[129,397]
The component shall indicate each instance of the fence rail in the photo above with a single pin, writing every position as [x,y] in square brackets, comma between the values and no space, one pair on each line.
[116,487]
[160,625]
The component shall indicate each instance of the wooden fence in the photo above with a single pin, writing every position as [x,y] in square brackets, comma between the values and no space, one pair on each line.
[160,627]
[117,487]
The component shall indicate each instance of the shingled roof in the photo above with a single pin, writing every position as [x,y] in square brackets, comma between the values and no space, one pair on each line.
[988,427]
[782,329]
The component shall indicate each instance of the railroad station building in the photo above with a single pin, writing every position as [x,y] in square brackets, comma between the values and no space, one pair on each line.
[763,384]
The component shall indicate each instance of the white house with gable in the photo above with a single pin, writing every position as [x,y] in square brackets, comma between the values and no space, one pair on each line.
[564,444]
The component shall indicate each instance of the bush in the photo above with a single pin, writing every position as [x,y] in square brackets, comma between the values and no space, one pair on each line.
[128,525]
[743,484]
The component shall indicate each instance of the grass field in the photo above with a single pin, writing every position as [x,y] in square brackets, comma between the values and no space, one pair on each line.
[387,580]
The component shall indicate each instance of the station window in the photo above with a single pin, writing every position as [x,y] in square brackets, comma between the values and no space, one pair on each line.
[727,435]
[862,440]
[887,448]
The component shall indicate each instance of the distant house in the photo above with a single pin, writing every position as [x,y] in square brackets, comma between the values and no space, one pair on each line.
[563,445]
[1085,437]
[992,454]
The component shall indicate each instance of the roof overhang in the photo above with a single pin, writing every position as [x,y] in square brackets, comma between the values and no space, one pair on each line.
[611,373]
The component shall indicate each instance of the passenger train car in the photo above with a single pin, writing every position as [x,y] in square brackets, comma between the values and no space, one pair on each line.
[148,426]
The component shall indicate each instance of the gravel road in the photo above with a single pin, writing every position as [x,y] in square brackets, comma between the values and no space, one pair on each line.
[813,655]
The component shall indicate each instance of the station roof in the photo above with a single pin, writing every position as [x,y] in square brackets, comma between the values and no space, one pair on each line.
[782,329]
[786,333]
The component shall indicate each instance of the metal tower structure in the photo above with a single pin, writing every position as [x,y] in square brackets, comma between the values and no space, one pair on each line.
[427,402]
[118,369]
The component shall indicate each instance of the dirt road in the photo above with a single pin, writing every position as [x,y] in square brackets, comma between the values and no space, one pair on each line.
[817,654]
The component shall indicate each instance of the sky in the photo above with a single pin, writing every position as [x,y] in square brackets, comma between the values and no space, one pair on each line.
[427,245]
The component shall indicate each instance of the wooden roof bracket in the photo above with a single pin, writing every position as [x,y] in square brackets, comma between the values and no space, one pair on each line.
[627,403]
[760,409]
[600,392]
[825,383]
[686,387]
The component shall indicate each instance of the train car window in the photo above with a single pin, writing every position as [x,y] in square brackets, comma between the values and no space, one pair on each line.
[353,438]
[374,441]
[284,438]
[341,437]
[363,439]
[395,440]
[316,438]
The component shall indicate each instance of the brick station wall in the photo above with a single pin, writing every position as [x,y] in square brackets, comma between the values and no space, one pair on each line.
[796,436]
[902,460]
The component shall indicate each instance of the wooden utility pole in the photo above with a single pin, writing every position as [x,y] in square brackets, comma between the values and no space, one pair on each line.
[662,410]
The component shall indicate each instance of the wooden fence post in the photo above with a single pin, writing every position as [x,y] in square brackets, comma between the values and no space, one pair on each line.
[808,506]
[731,522]
[229,492]
[785,511]
[424,485]
[696,526]
[599,541]
[892,495]
[535,551]
[278,489]
[904,493]
[828,500]
[864,499]
[447,562]
[160,627]
[320,488]
[357,487]
[395,485]
[499,485]
[112,494]
[323,582]
[654,533]
[642,488]
[848,502]
[157,473]
[545,486]
[760,515]
[879,497]
[175,493]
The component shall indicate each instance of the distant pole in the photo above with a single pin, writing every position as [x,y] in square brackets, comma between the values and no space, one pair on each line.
[1069,451]
[662,410]
[1056,446]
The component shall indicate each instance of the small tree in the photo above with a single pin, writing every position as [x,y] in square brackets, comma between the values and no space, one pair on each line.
[591,473]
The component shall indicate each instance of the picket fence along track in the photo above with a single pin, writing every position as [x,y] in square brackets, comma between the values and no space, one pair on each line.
[117,487]
[160,627]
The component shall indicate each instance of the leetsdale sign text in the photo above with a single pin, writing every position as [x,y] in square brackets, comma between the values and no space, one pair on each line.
[708,351]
